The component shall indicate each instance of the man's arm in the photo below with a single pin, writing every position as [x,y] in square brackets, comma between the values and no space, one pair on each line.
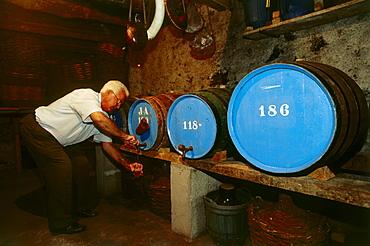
[109,127]
[113,152]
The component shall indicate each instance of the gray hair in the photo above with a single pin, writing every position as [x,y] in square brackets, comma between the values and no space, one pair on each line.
[116,86]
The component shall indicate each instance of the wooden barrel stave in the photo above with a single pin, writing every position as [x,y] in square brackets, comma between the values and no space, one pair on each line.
[352,96]
[162,103]
[218,100]
[340,143]
[362,128]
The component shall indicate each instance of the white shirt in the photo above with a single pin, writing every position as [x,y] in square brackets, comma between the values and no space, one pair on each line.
[68,118]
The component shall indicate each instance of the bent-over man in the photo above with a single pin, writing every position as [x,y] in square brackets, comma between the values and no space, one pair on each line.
[53,135]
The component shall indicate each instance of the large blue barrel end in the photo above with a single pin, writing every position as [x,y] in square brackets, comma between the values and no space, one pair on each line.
[281,118]
[191,122]
[142,109]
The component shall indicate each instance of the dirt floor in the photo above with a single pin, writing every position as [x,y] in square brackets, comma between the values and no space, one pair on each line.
[120,222]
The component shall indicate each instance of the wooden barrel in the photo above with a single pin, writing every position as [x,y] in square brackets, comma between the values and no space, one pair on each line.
[355,100]
[153,110]
[289,118]
[199,120]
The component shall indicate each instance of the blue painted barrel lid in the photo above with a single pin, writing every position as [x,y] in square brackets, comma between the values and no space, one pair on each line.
[281,118]
[143,109]
[191,122]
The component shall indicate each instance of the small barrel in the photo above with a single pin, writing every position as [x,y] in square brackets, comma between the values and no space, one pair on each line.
[295,8]
[152,112]
[257,14]
[197,123]
[287,118]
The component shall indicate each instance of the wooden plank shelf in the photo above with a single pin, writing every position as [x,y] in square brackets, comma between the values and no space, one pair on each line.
[66,9]
[15,110]
[317,18]
[345,188]
[38,21]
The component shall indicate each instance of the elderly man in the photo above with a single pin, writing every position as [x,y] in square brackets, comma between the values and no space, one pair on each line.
[53,135]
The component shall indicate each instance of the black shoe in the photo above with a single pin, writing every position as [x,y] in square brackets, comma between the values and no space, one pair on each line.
[88,214]
[71,229]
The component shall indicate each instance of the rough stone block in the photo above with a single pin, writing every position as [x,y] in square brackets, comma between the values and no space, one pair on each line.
[188,186]
[107,174]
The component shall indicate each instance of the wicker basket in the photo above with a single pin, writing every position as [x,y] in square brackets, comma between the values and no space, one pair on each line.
[20,75]
[108,69]
[21,96]
[160,198]
[283,223]
[134,188]
[23,50]
[81,72]
[22,86]
[108,51]
[110,63]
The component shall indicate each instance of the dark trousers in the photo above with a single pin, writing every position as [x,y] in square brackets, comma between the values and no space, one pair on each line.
[65,171]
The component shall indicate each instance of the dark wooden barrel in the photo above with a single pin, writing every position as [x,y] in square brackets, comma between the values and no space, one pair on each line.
[358,118]
[294,117]
[199,120]
[154,110]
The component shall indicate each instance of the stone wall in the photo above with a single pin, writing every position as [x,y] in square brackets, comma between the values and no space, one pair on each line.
[166,63]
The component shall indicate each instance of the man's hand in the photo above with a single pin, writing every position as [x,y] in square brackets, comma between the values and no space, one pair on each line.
[113,152]
[131,140]
[137,169]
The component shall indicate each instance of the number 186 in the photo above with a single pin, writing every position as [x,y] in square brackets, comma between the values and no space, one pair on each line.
[273,111]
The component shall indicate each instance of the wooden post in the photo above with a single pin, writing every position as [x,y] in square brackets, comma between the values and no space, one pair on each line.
[276,17]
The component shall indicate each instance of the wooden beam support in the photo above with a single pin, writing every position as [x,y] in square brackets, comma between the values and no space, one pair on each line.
[66,10]
[18,25]
[15,18]
[323,16]
[323,173]
[340,188]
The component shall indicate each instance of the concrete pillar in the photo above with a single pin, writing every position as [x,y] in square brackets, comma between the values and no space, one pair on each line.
[108,175]
[188,186]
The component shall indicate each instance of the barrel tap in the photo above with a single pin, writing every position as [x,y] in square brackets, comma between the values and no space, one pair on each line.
[183,149]
[138,150]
